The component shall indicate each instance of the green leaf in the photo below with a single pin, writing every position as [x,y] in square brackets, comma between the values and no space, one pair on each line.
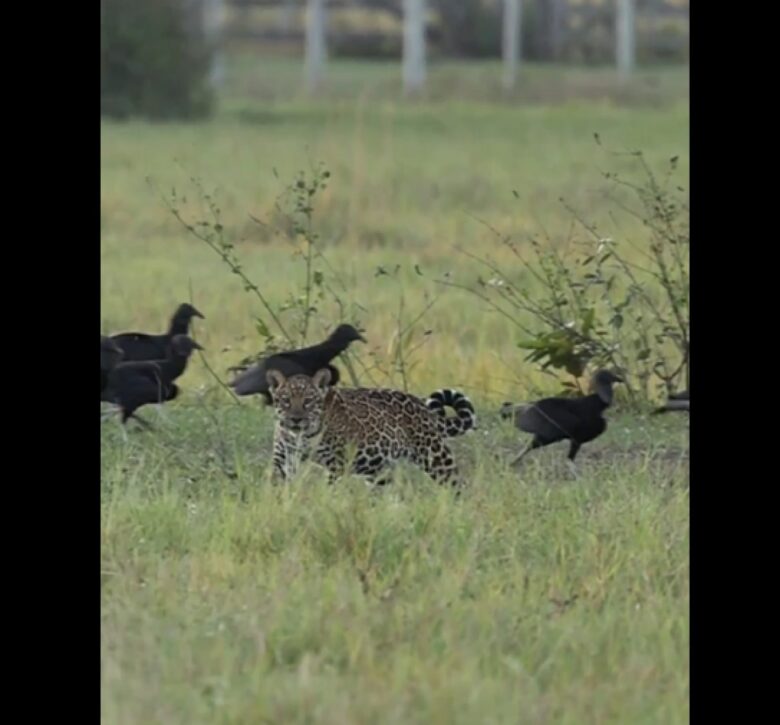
[262,328]
[587,321]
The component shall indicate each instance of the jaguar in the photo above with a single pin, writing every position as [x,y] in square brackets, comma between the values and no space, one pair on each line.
[321,423]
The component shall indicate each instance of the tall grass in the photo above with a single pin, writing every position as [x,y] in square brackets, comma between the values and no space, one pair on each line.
[534,598]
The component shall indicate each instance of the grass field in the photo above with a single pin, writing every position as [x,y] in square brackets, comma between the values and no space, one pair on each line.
[535,598]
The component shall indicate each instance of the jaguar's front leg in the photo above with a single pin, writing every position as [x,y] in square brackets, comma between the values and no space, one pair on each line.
[286,454]
[334,461]
[279,457]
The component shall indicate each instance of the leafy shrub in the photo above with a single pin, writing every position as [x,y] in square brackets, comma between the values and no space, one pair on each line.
[621,303]
[154,59]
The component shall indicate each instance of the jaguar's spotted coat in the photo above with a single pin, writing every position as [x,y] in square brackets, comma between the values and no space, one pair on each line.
[316,422]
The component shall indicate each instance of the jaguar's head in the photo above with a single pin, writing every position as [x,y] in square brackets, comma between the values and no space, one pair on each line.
[299,400]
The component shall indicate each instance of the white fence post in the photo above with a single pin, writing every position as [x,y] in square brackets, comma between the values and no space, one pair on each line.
[510,46]
[625,36]
[213,20]
[414,45]
[315,44]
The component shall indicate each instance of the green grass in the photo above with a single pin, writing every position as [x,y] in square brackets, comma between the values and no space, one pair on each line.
[268,79]
[535,598]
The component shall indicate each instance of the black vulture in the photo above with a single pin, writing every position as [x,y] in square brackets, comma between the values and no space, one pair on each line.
[577,420]
[306,361]
[143,346]
[676,401]
[110,356]
[141,382]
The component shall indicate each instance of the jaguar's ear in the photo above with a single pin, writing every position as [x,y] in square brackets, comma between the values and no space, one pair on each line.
[321,378]
[275,379]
